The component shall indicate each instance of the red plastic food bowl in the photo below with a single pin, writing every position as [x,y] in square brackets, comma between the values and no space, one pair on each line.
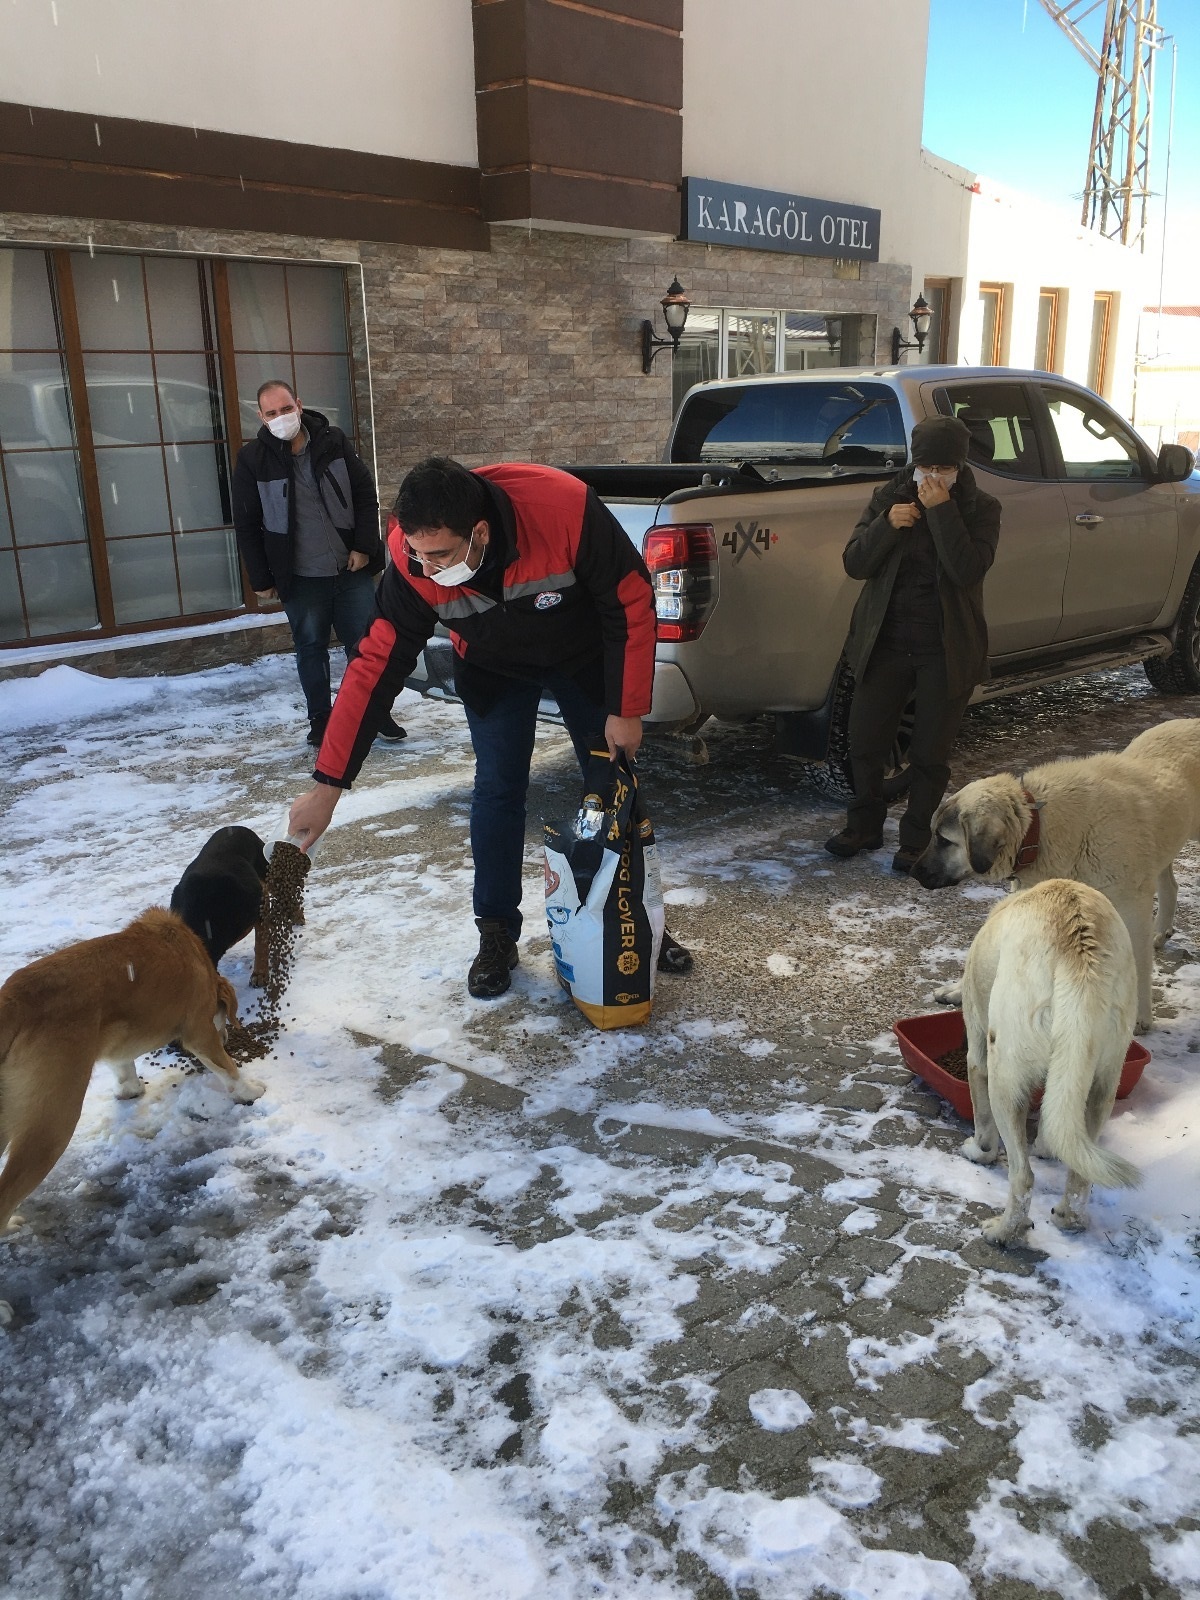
[924,1040]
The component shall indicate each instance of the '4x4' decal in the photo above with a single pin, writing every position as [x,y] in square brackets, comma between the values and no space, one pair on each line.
[740,539]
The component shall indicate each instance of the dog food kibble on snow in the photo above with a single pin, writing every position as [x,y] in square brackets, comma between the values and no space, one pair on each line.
[283,908]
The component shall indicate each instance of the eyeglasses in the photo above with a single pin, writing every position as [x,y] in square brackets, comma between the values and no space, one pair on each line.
[439,560]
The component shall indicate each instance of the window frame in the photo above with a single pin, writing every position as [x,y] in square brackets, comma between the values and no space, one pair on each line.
[1000,292]
[1053,353]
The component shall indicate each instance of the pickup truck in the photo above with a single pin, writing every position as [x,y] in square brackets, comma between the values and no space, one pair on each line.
[743,523]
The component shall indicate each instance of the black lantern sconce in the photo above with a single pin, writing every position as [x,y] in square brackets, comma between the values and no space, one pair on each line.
[919,316]
[675,305]
[833,332]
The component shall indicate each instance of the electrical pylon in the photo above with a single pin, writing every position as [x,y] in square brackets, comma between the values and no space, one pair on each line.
[1117,192]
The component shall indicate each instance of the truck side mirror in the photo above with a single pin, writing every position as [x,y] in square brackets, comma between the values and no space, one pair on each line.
[1175,462]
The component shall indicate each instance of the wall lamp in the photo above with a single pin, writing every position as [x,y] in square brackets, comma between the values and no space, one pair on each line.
[675,306]
[919,316]
[833,332]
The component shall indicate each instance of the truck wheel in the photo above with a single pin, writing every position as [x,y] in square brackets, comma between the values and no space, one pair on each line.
[833,775]
[1179,673]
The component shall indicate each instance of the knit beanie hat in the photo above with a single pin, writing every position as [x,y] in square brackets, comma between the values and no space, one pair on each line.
[940,442]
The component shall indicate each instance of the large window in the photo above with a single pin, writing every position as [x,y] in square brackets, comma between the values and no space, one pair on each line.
[730,343]
[127,383]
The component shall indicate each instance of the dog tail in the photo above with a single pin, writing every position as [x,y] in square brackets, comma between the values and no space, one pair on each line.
[1079,1079]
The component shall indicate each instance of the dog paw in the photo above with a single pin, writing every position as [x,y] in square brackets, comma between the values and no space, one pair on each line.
[130,1089]
[1143,1025]
[258,980]
[974,1151]
[6,1313]
[1000,1231]
[1068,1219]
[246,1090]
[950,994]
[16,1220]
[1160,939]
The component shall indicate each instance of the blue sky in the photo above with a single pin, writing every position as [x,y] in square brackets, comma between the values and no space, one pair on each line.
[1008,95]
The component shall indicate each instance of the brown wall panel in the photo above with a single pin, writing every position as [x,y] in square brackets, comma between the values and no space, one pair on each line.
[662,13]
[75,190]
[593,202]
[538,39]
[601,136]
[162,147]
[569,87]
[69,163]
[528,125]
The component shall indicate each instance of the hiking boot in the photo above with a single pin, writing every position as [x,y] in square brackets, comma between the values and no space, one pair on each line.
[672,957]
[316,730]
[391,730]
[849,842]
[907,857]
[489,974]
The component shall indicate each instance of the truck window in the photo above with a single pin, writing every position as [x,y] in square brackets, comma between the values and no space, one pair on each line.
[1094,443]
[1003,438]
[843,424]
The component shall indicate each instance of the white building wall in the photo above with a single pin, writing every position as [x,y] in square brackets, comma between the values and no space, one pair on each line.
[810,99]
[390,77]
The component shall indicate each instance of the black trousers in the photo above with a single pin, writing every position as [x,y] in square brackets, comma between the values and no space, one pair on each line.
[891,679]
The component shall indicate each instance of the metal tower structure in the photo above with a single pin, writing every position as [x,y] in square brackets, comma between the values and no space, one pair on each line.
[1117,192]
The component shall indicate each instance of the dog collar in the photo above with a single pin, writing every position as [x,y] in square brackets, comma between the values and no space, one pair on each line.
[1028,853]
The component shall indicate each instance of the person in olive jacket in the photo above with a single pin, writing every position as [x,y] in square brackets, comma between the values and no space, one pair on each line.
[306,513]
[923,547]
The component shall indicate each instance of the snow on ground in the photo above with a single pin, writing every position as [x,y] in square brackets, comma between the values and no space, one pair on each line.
[329,1345]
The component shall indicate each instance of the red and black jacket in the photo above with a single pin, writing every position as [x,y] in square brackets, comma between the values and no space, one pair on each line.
[561,589]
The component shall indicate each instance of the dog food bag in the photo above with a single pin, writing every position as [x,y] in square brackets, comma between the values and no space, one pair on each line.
[604,900]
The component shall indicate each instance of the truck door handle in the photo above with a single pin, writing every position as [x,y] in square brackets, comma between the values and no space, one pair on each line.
[1088,519]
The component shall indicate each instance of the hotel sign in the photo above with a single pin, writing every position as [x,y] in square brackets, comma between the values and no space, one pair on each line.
[766,219]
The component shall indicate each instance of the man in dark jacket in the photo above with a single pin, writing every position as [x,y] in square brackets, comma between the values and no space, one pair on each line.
[924,546]
[544,593]
[307,520]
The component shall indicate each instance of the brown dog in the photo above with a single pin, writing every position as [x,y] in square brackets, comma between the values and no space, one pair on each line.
[109,999]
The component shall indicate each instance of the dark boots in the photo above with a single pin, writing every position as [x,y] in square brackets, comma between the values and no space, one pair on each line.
[489,973]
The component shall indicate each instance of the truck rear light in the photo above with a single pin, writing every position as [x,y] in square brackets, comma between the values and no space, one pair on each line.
[682,562]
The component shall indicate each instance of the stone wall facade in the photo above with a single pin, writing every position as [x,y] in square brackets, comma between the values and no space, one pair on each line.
[527,351]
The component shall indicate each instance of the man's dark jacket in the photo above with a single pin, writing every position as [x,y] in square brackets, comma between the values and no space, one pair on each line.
[264,506]
[965,530]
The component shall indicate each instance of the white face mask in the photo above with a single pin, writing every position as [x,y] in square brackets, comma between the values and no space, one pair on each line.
[449,577]
[286,426]
[928,475]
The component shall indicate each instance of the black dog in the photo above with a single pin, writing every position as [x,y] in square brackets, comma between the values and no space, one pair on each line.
[220,895]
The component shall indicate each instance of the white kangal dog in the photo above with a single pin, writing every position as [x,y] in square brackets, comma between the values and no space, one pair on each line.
[1049,996]
[1115,821]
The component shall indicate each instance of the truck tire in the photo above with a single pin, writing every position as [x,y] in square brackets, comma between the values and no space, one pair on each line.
[833,776]
[1179,673]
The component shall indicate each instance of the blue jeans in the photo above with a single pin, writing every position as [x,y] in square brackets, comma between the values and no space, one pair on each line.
[314,606]
[503,742]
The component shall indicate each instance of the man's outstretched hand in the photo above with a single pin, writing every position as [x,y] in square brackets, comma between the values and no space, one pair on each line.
[310,814]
